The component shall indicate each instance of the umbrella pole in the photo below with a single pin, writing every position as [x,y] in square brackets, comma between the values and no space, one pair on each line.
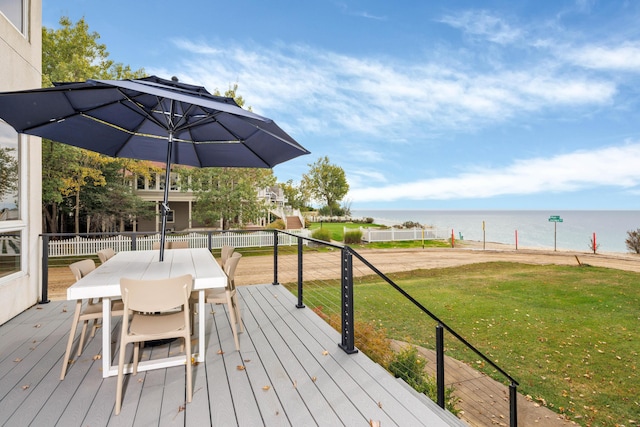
[165,203]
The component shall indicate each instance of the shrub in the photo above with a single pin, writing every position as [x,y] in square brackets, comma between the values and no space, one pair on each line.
[322,234]
[354,236]
[633,240]
[409,365]
[278,224]
[411,224]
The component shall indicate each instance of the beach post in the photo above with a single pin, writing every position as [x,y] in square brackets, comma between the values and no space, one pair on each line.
[516,240]
[453,239]
[484,239]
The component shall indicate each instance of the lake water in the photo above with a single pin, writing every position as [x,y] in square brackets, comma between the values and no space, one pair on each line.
[533,226]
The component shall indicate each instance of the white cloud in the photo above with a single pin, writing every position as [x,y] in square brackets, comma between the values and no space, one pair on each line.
[606,167]
[625,57]
[484,24]
[315,91]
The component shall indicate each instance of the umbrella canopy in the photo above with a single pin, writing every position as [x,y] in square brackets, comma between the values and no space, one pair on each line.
[151,119]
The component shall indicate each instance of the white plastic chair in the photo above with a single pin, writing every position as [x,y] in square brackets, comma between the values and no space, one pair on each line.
[92,312]
[160,310]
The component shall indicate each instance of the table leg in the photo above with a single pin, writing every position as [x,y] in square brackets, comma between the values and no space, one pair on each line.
[201,330]
[106,337]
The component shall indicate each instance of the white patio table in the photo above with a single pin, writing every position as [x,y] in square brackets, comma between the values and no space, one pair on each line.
[104,282]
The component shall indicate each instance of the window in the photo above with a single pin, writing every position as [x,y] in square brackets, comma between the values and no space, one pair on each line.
[9,173]
[10,250]
[16,13]
[140,183]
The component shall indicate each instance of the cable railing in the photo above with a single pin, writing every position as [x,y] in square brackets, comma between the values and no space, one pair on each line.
[344,255]
[323,275]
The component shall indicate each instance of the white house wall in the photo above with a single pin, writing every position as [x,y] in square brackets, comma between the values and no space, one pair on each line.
[21,59]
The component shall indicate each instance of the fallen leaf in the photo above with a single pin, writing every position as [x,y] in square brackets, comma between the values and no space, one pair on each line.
[374,423]
[324,353]
[380,405]
[247,360]
[295,384]
[314,379]
[220,351]
[97,357]
[17,359]
[181,408]
[265,388]
[240,367]
[64,309]
[24,387]
[37,325]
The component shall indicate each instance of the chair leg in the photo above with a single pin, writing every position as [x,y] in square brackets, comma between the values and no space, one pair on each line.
[120,377]
[232,318]
[72,333]
[236,306]
[187,344]
[136,357]
[82,335]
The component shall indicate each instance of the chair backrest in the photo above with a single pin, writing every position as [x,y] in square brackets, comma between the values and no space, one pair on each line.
[156,245]
[156,295]
[181,244]
[226,253]
[230,269]
[105,254]
[82,268]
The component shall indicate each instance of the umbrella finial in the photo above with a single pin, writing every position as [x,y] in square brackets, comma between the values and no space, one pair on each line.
[174,79]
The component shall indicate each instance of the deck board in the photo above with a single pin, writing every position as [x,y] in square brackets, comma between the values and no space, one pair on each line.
[292,374]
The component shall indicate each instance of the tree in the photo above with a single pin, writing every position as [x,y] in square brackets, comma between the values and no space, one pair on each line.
[633,240]
[227,194]
[326,182]
[296,197]
[72,53]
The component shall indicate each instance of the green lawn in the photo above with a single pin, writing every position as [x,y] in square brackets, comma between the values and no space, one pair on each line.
[569,335]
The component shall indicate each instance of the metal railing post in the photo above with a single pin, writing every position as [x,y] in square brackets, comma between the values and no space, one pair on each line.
[134,243]
[513,406]
[44,299]
[348,341]
[440,364]
[275,257]
[209,240]
[300,303]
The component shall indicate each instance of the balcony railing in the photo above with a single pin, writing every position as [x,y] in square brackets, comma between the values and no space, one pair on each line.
[340,264]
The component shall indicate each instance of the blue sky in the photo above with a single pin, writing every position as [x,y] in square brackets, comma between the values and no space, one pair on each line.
[424,104]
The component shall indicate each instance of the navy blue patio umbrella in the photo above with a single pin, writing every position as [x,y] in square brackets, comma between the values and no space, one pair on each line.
[151,119]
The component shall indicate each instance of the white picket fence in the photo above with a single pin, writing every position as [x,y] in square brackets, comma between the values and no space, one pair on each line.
[82,246]
[374,234]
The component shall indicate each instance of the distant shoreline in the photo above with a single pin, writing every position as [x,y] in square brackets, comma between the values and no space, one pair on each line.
[478,245]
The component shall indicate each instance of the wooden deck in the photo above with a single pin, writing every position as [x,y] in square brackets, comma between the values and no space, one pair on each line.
[289,372]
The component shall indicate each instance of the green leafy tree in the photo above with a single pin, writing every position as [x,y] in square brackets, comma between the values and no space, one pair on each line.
[296,197]
[227,194]
[72,53]
[326,182]
[112,206]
